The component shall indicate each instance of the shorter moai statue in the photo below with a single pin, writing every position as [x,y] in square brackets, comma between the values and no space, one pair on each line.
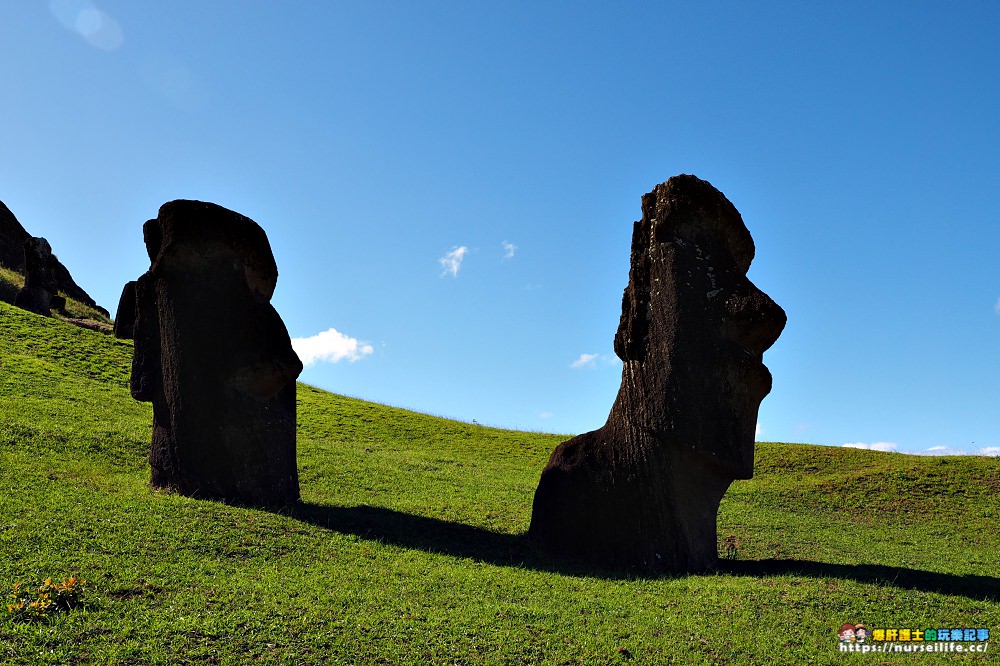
[41,285]
[214,358]
[643,491]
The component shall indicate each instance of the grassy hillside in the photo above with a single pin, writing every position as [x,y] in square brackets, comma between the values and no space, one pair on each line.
[76,312]
[408,546]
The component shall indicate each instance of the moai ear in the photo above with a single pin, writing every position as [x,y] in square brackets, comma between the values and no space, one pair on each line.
[125,316]
[152,236]
[146,376]
[261,283]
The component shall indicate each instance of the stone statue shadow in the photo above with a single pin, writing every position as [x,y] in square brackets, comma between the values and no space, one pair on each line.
[434,535]
[971,586]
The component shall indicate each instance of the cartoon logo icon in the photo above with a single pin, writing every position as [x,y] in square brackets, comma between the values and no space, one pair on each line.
[861,633]
[846,633]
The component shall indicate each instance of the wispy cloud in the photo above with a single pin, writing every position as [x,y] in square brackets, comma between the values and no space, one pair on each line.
[545,415]
[940,451]
[508,250]
[331,346]
[996,307]
[585,361]
[874,446]
[452,261]
[992,451]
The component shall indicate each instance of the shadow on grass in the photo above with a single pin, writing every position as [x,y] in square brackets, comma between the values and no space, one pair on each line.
[466,541]
[427,534]
[973,587]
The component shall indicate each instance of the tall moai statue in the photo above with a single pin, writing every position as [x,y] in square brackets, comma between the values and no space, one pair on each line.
[644,490]
[214,358]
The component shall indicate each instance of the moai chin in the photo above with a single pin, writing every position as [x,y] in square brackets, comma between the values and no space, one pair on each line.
[643,491]
[214,358]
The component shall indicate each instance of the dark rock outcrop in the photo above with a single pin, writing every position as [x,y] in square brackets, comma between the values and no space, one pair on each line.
[643,491]
[12,239]
[214,358]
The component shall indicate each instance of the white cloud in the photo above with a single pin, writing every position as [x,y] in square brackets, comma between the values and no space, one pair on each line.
[883,446]
[874,446]
[452,261]
[585,361]
[996,308]
[331,346]
[545,415]
[757,431]
[992,451]
[508,250]
[940,451]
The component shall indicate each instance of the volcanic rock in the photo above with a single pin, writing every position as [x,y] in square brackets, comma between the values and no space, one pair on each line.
[12,239]
[214,358]
[40,283]
[644,490]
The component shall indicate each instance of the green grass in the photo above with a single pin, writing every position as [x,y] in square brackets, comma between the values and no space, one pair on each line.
[11,282]
[408,546]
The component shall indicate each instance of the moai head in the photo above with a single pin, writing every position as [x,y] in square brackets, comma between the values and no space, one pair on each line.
[694,328]
[217,274]
[644,489]
[213,357]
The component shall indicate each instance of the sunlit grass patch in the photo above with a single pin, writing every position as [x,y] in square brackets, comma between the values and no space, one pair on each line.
[409,548]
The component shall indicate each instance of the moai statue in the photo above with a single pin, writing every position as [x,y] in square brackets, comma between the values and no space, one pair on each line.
[214,358]
[41,285]
[644,490]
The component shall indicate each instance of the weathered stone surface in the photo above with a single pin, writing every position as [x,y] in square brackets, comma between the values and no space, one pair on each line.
[40,282]
[643,491]
[125,314]
[12,239]
[214,358]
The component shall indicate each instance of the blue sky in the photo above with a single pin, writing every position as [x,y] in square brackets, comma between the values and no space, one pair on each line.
[450,186]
